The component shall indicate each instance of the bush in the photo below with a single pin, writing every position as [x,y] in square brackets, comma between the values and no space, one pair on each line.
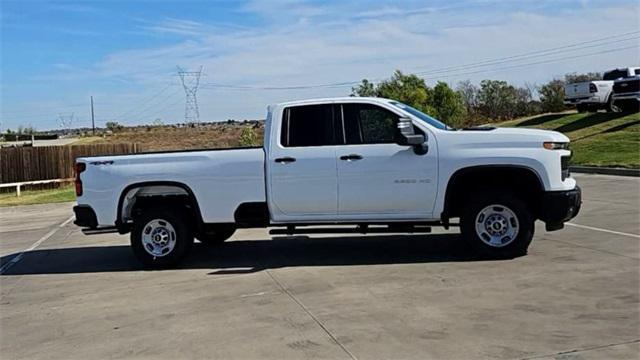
[248,137]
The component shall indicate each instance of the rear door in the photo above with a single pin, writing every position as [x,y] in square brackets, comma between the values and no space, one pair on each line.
[377,178]
[302,165]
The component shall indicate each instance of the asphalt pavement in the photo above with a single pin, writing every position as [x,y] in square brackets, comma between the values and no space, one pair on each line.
[64,295]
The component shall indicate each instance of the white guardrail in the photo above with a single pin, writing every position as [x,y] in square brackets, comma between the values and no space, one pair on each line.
[18,185]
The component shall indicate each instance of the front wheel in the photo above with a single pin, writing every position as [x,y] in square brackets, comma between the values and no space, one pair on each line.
[609,106]
[497,225]
[161,238]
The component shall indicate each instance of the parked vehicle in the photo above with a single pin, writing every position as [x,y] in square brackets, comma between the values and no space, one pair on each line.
[373,163]
[626,94]
[597,94]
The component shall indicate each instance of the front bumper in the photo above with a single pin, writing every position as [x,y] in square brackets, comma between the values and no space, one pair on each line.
[85,216]
[560,206]
[627,96]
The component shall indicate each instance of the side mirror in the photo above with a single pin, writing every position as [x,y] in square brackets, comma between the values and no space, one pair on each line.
[406,134]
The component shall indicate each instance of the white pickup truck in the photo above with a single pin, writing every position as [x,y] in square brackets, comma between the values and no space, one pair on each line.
[597,94]
[373,163]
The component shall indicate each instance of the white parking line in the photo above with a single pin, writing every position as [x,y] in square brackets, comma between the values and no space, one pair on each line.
[603,230]
[19,257]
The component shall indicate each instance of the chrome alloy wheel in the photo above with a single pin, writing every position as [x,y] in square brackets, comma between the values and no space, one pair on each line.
[158,237]
[497,225]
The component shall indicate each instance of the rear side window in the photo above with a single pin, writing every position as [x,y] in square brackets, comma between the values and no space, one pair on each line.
[309,125]
[369,124]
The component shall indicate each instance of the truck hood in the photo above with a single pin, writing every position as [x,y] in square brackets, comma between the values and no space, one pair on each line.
[505,137]
[532,134]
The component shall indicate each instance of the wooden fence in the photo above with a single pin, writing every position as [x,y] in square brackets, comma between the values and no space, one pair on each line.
[51,162]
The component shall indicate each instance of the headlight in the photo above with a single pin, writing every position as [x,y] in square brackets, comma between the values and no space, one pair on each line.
[555,145]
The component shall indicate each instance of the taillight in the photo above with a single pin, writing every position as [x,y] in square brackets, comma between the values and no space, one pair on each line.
[593,88]
[80,167]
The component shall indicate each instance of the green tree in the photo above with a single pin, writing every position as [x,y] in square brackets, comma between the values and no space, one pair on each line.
[113,126]
[248,137]
[409,89]
[552,96]
[497,99]
[575,77]
[448,104]
[364,89]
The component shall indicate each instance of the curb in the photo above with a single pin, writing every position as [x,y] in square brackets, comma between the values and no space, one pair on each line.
[605,171]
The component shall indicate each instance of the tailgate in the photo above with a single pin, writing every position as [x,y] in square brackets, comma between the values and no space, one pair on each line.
[577,90]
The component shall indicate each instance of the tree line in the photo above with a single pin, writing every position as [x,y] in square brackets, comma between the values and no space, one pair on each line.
[469,104]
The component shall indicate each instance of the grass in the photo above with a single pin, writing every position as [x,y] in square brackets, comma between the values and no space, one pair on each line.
[597,139]
[30,197]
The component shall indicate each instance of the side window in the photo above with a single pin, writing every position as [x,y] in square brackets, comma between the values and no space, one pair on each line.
[309,125]
[369,124]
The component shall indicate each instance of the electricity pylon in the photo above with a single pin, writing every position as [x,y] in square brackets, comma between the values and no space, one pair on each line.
[190,81]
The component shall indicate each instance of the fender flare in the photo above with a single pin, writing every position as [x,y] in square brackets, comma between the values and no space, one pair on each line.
[122,228]
[444,216]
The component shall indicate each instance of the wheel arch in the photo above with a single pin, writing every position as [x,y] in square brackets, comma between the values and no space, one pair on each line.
[474,178]
[151,189]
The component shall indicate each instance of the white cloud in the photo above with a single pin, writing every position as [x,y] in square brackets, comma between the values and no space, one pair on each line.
[308,44]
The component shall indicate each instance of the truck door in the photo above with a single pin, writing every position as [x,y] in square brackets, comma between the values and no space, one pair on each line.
[302,165]
[377,178]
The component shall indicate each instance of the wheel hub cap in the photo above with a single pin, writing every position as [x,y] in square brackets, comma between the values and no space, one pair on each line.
[497,225]
[158,237]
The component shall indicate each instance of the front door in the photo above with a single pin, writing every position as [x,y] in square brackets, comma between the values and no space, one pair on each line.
[377,178]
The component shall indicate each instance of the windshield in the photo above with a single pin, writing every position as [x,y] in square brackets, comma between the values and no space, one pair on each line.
[422,116]
[615,75]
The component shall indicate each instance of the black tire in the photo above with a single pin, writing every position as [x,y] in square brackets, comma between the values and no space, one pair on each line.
[609,106]
[512,248]
[182,237]
[219,234]
[581,108]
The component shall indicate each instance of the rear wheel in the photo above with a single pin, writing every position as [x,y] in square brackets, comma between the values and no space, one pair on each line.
[219,234]
[497,225]
[161,238]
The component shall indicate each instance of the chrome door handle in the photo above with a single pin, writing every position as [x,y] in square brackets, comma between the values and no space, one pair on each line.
[351,157]
[285,160]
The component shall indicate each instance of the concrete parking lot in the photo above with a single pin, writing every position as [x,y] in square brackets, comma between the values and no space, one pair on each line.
[65,295]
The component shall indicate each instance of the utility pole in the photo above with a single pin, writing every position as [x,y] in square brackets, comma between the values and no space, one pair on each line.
[190,81]
[93,121]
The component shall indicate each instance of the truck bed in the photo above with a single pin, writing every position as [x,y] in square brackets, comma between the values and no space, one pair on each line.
[221,179]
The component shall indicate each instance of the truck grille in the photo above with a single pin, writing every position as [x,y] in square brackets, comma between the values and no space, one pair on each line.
[564,166]
[628,86]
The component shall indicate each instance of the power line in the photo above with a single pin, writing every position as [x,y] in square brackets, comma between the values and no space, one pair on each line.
[484,64]
[578,44]
[167,106]
[139,114]
[573,57]
[155,95]
[514,58]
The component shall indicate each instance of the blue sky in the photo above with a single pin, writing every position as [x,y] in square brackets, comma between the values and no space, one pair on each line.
[56,54]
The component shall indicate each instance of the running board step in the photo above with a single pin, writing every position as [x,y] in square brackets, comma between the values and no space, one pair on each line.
[292,230]
[102,230]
